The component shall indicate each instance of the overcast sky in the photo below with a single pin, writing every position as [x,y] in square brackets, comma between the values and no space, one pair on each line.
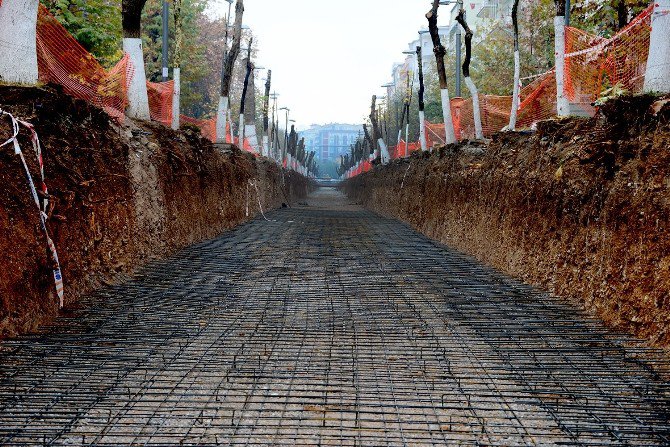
[329,56]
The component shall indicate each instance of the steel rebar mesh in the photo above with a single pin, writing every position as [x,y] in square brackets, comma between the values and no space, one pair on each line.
[328,327]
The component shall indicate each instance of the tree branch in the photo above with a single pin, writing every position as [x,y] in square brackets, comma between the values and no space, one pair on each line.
[438,48]
[231,56]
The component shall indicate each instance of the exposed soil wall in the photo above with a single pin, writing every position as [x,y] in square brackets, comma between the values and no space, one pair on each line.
[120,195]
[581,207]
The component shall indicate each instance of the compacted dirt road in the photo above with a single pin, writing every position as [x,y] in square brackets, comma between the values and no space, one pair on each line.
[328,325]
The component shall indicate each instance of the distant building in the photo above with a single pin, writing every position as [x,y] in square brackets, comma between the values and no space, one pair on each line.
[331,140]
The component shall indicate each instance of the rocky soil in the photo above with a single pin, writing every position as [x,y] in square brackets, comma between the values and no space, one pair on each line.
[580,207]
[120,195]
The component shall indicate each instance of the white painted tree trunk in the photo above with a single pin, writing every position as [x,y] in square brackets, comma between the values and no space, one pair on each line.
[176,98]
[18,46]
[657,76]
[384,152]
[449,133]
[138,100]
[515,92]
[476,113]
[221,116]
[266,146]
[422,130]
[252,138]
[240,132]
[562,104]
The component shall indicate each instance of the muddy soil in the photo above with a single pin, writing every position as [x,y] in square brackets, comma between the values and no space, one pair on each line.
[580,207]
[120,196]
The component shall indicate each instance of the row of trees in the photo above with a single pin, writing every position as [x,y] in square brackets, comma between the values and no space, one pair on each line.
[501,54]
[199,49]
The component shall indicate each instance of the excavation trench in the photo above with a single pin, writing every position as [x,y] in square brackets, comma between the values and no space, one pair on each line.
[120,196]
[581,207]
[327,324]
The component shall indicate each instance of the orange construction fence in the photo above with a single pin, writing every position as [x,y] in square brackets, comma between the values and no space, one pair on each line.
[62,60]
[592,65]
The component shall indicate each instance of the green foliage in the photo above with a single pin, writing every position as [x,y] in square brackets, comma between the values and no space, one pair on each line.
[193,64]
[96,24]
[600,17]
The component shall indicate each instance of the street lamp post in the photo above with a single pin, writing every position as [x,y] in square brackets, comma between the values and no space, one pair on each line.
[457,47]
[166,10]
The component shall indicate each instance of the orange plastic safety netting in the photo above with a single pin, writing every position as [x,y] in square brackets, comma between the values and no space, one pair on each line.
[537,100]
[207,127]
[160,101]
[594,64]
[62,60]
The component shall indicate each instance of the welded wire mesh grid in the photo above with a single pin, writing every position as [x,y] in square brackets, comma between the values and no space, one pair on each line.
[328,327]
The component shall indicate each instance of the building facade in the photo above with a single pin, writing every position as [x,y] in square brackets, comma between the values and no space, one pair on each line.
[331,140]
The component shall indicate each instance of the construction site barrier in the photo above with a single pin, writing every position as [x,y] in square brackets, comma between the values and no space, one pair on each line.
[592,65]
[62,60]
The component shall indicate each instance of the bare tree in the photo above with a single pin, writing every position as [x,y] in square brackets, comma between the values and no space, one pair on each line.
[266,109]
[227,66]
[517,68]
[562,105]
[422,105]
[376,133]
[176,71]
[138,100]
[245,88]
[657,76]
[440,52]
[18,45]
[479,134]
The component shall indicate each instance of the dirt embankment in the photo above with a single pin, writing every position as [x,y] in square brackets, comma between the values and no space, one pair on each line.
[581,207]
[120,195]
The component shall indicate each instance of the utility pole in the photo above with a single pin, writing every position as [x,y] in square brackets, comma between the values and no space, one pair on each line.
[166,11]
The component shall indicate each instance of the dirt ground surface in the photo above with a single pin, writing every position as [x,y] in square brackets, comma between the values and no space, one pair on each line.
[120,196]
[580,207]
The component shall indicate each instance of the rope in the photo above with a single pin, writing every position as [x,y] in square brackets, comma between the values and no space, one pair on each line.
[43,205]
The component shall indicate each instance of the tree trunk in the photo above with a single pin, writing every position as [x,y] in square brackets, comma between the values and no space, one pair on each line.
[369,140]
[178,38]
[476,114]
[562,104]
[517,68]
[266,120]
[440,52]
[376,135]
[422,106]
[622,14]
[245,88]
[229,58]
[138,100]
[657,76]
[18,24]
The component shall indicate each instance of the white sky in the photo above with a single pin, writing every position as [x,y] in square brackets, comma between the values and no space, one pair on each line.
[328,57]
